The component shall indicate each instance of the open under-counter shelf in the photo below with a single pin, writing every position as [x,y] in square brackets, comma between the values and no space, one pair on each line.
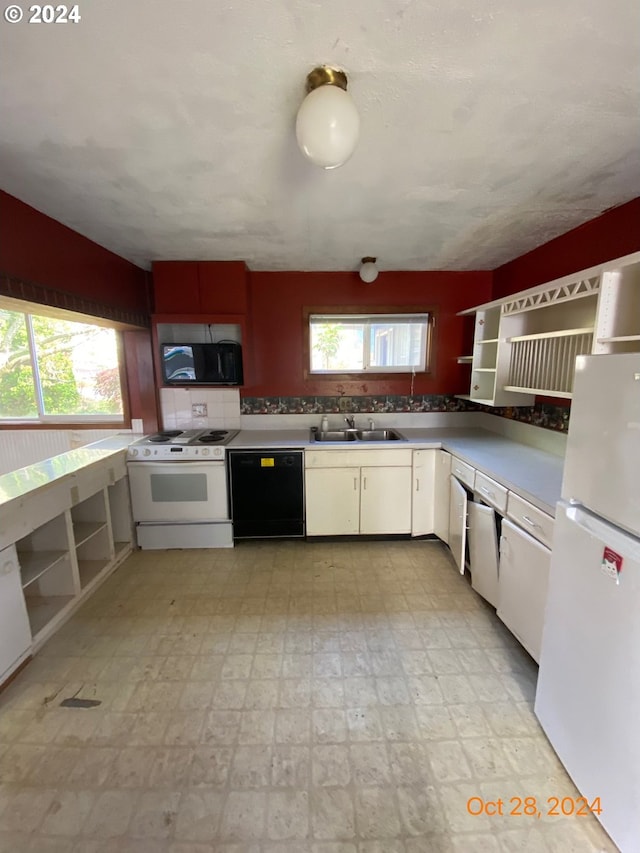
[35,563]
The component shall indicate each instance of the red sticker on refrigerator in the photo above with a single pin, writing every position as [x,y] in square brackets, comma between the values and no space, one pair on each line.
[611,563]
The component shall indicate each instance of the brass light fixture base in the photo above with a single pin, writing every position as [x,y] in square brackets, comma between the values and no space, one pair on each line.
[368,260]
[325,75]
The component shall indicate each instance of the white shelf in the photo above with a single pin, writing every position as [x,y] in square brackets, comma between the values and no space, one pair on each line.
[33,564]
[488,341]
[43,608]
[565,395]
[543,336]
[475,399]
[84,530]
[484,369]
[89,570]
[464,359]
[618,339]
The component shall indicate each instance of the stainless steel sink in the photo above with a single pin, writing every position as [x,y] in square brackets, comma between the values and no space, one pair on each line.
[335,435]
[379,435]
[357,435]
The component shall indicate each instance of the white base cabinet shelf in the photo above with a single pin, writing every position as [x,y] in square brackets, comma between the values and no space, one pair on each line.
[80,534]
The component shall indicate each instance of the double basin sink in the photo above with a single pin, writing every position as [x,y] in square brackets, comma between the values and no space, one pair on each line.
[357,435]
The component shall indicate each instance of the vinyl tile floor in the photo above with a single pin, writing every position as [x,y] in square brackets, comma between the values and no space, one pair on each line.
[283,697]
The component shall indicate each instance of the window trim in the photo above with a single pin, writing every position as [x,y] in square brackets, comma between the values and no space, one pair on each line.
[370,312]
[100,421]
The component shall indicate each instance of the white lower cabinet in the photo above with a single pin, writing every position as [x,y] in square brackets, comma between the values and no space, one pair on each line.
[15,634]
[522,588]
[332,501]
[385,500]
[423,492]
[358,491]
[69,548]
[442,494]
[458,523]
[483,551]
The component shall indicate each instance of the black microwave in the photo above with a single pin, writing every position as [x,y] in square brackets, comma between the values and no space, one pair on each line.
[202,364]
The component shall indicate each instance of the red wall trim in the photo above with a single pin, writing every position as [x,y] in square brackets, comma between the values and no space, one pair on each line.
[612,235]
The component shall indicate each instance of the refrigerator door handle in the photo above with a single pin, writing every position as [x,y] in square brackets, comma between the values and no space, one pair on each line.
[626,544]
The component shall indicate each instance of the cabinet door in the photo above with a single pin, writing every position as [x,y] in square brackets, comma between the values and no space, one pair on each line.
[176,287]
[422,508]
[483,551]
[15,633]
[223,287]
[332,501]
[458,522]
[442,495]
[385,505]
[522,586]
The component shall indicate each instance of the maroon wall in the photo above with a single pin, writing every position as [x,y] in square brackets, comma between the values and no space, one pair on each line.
[36,248]
[277,325]
[609,236]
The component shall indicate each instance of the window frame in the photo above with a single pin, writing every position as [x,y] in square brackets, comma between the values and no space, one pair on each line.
[43,421]
[357,312]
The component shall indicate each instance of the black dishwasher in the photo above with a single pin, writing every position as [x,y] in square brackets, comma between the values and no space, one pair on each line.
[267,493]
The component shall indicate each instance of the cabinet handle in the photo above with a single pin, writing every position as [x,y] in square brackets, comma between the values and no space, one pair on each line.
[458,471]
[530,521]
[364,483]
[487,491]
[355,484]
[417,484]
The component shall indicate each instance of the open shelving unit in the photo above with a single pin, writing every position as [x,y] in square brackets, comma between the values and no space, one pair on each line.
[47,571]
[527,344]
[92,537]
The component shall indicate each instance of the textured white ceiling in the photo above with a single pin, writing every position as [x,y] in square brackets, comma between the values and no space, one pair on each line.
[164,129]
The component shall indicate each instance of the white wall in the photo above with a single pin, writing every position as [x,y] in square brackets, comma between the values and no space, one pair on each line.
[20,447]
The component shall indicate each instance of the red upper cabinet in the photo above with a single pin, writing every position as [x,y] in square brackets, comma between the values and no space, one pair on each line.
[223,287]
[175,287]
[200,287]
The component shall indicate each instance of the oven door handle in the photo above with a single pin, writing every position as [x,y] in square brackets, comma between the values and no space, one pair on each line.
[171,466]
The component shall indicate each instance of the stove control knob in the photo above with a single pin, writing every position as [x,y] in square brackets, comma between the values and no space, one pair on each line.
[133,452]
[146,452]
[205,451]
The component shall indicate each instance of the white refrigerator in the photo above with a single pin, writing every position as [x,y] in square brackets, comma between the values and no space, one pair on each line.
[588,693]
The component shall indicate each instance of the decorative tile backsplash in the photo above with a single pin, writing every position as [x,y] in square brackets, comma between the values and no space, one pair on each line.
[542,415]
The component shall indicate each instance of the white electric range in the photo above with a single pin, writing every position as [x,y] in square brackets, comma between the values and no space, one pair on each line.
[179,489]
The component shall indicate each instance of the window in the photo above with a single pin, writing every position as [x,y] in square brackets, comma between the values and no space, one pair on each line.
[374,343]
[57,370]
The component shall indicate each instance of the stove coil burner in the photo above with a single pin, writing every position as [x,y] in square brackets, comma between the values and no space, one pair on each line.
[166,435]
[213,436]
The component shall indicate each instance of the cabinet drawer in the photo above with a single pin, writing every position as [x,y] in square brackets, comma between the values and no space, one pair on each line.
[465,473]
[491,492]
[530,518]
[395,458]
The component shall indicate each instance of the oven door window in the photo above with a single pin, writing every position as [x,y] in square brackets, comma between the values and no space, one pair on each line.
[178,487]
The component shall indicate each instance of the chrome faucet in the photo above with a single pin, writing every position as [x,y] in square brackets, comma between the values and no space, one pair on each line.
[351,423]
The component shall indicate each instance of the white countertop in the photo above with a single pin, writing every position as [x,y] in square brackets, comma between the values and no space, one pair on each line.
[18,483]
[535,474]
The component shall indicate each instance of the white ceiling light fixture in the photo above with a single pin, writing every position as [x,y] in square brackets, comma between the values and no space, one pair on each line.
[368,270]
[328,124]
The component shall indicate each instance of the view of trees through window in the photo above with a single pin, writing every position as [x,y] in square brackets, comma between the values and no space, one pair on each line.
[51,368]
[395,343]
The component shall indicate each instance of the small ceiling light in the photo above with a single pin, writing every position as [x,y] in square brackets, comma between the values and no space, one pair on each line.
[328,124]
[368,270]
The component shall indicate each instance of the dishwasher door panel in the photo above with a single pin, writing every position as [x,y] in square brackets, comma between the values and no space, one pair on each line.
[267,493]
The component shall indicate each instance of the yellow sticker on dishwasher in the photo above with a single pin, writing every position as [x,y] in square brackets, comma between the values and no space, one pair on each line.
[267,462]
